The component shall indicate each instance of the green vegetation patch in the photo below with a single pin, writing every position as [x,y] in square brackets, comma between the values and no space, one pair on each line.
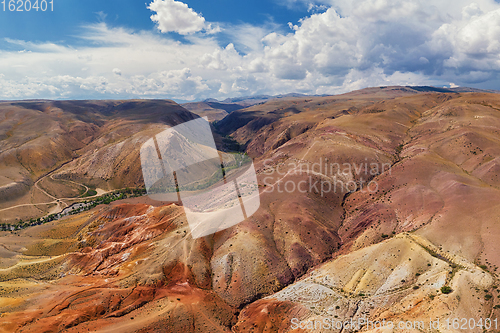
[446,289]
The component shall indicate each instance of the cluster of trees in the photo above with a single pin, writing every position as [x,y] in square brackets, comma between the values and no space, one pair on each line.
[105,199]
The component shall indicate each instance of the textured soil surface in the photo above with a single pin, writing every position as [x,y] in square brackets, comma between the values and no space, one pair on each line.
[418,241]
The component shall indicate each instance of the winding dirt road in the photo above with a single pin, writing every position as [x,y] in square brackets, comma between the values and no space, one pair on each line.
[59,202]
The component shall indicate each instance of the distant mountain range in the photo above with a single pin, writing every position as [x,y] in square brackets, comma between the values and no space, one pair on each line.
[216,110]
[457,89]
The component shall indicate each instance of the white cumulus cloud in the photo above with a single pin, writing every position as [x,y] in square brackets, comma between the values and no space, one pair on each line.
[352,44]
[176,16]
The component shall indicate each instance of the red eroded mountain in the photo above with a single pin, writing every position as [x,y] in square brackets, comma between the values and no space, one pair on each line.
[317,247]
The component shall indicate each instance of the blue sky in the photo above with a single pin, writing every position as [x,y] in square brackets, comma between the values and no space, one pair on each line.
[69,15]
[193,50]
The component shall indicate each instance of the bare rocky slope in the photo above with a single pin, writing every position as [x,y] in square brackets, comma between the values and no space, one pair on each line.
[53,149]
[418,243]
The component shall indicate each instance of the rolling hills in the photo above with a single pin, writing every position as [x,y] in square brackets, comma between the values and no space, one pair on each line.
[381,203]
